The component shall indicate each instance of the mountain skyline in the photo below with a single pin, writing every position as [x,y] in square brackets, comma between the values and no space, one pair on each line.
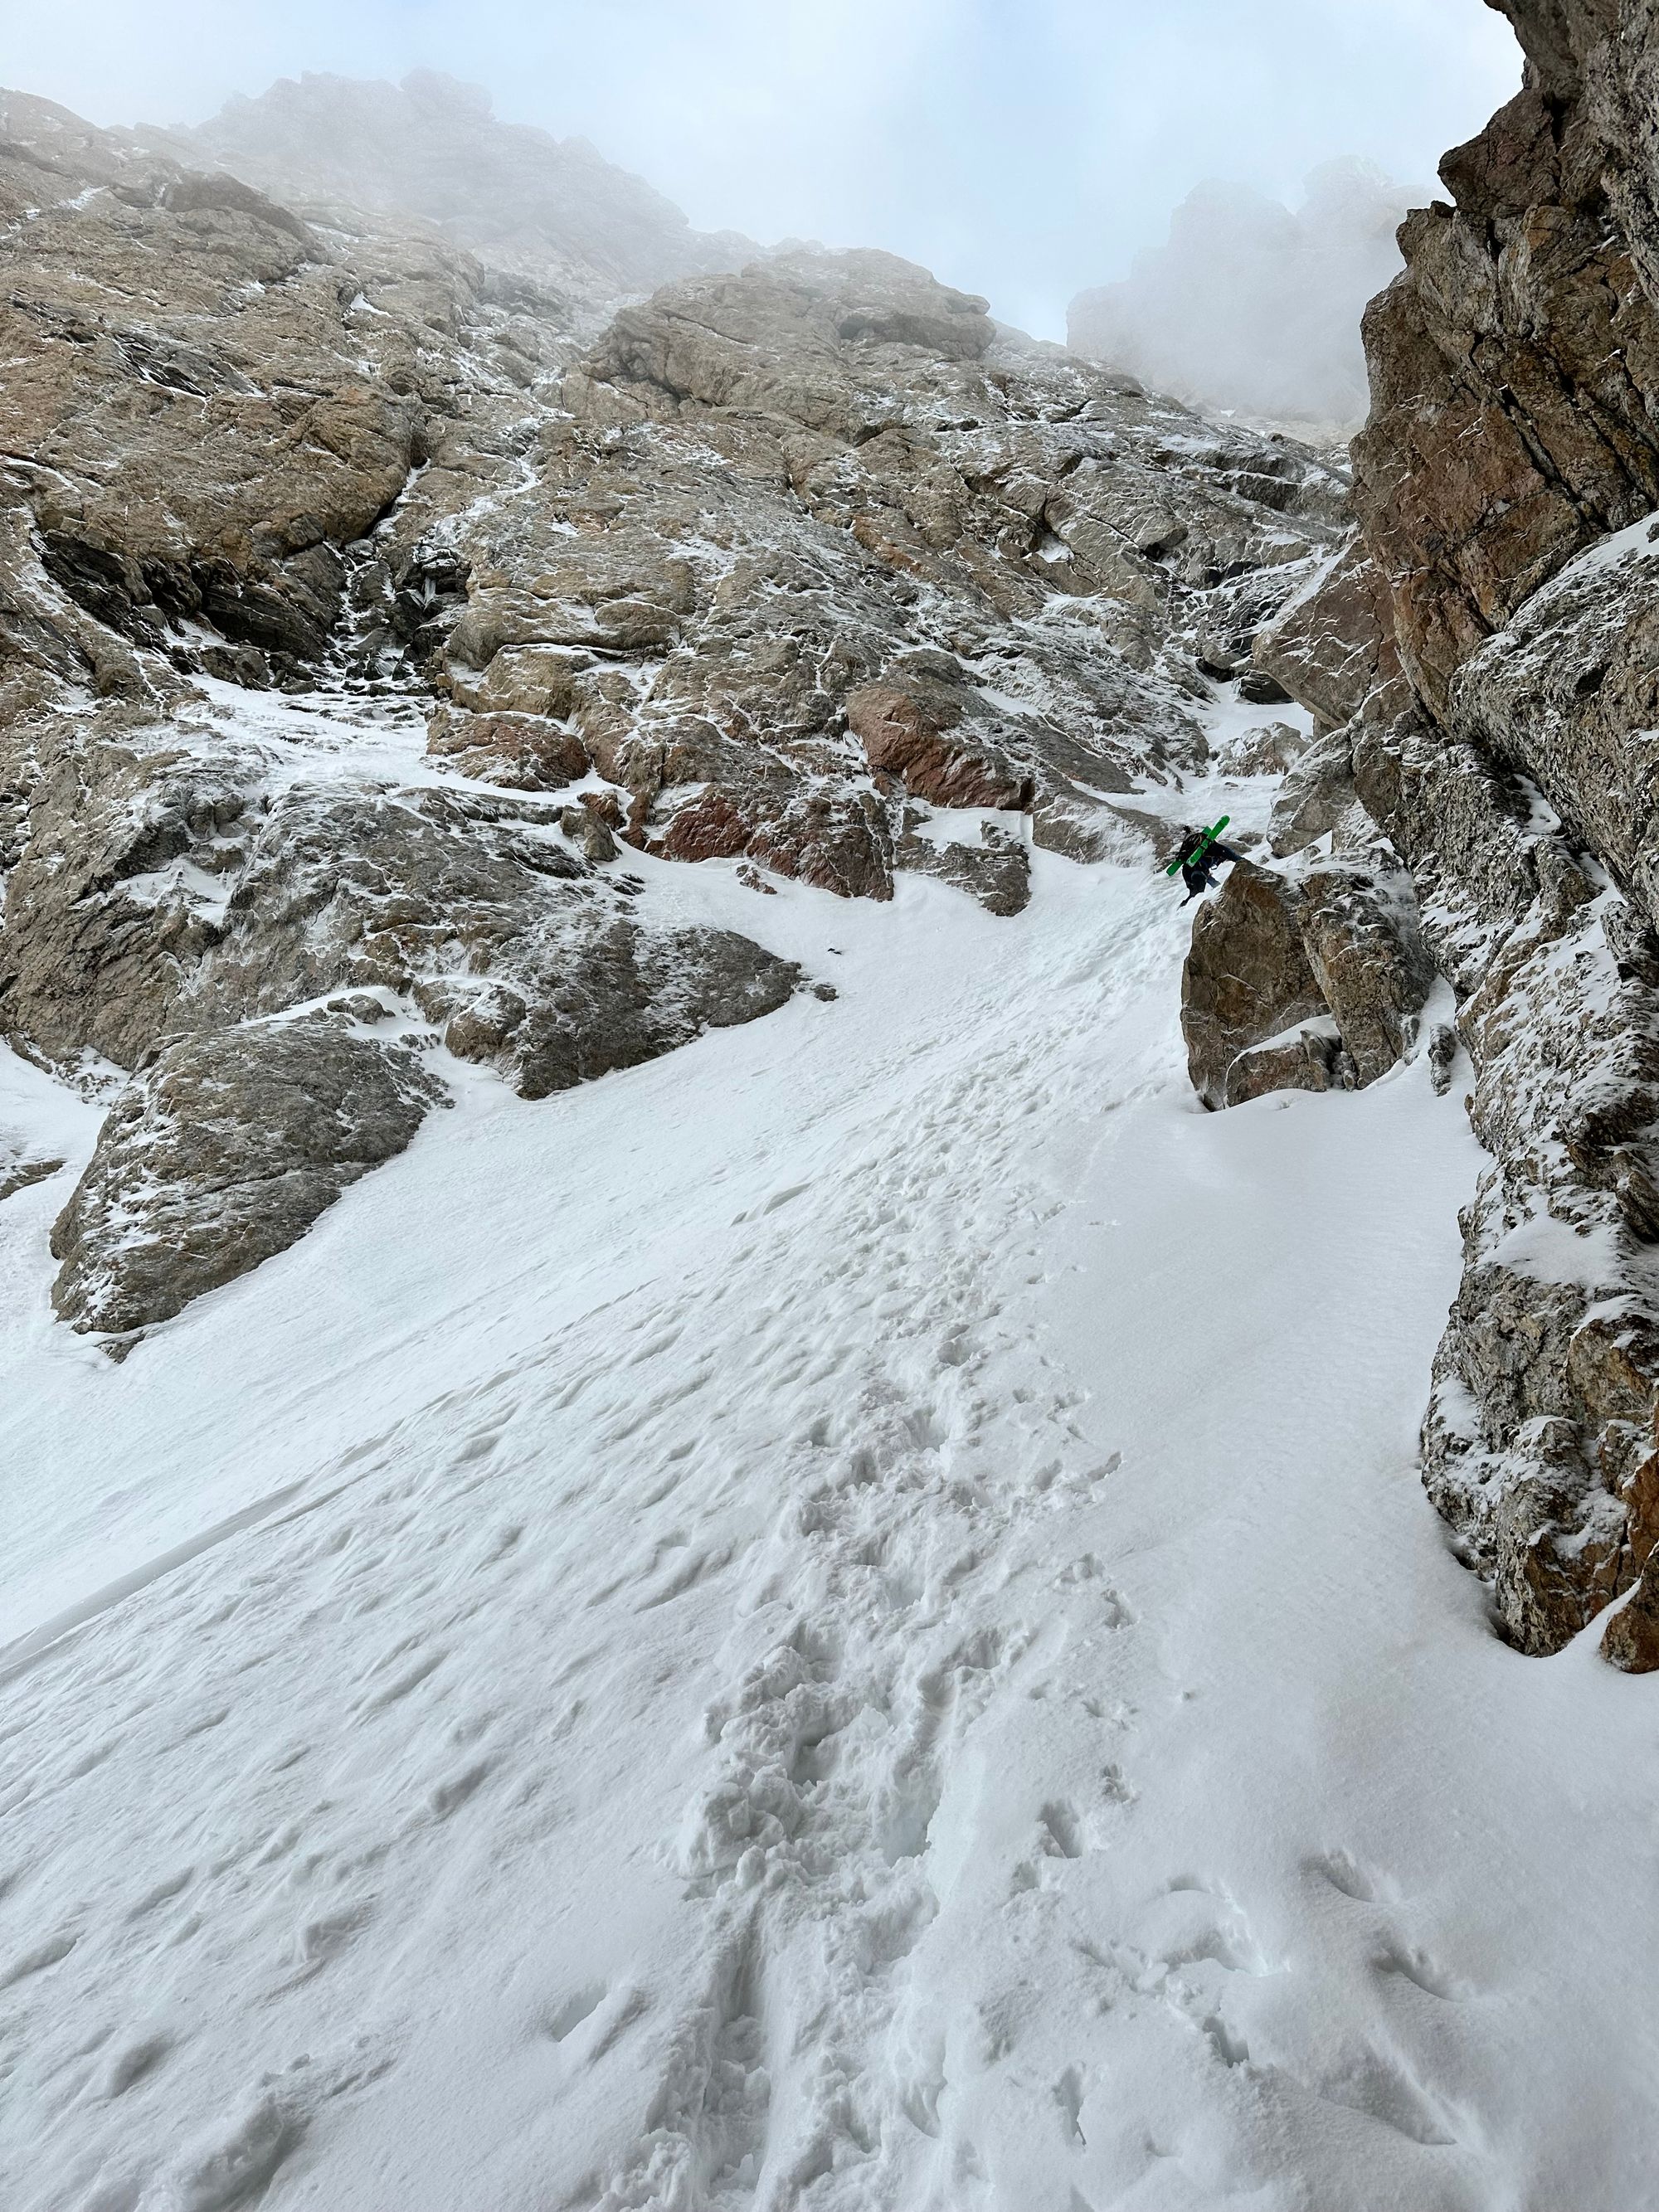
[1024,154]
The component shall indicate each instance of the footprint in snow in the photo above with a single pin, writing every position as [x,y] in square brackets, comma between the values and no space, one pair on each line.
[1366,1885]
[1420,1967]
[1367,2080]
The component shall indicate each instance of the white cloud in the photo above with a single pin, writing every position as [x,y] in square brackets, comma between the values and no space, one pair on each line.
[1026,148]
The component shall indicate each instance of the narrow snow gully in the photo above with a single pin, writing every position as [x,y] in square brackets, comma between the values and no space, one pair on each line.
[842,1620]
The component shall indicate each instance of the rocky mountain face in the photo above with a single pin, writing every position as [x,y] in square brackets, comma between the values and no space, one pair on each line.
[376,633]
[553,210]
[1481,665]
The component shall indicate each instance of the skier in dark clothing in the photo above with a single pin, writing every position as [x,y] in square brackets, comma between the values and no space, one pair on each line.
[1198,862]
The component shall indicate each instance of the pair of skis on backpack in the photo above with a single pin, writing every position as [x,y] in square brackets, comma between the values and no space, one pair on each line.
[1198,862]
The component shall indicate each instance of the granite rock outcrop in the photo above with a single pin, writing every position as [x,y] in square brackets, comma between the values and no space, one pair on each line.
[1479,665]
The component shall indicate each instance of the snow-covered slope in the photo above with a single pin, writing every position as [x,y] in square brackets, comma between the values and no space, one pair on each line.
[842,1619]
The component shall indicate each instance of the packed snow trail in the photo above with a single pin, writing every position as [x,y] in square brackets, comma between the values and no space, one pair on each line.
[844,1619]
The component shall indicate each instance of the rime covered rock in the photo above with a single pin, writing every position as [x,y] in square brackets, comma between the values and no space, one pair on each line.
[1363,942]
[1631,1639]
[1567,695]
[1316,796]
[1487,649]
[222,1152]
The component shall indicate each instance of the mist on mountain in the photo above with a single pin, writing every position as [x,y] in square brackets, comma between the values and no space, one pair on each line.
[1253,306]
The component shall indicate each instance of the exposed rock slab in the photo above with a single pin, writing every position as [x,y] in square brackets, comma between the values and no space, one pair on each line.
[222,1153]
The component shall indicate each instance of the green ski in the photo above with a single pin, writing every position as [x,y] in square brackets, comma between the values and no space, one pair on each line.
[1199,849]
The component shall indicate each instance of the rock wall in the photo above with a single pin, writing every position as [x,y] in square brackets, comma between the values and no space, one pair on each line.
[369,606]
[1481,663]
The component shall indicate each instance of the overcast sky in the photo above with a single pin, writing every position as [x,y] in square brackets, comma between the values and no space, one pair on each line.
[1025,148]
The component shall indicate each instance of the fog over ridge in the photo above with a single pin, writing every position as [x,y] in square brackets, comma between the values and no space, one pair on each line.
[1019,152]
[1252,306]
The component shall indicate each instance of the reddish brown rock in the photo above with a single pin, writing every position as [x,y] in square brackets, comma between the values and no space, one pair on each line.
[522,752]
[1514,370]
[840,841]
[914,738]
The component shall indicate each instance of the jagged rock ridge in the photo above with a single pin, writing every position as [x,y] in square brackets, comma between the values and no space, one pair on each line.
[551,210]
[1480,663]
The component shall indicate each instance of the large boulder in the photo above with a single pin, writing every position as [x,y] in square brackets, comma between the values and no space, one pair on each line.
[579,998]
[222,1152]
[1248,981]
[912,732]
[1302,980]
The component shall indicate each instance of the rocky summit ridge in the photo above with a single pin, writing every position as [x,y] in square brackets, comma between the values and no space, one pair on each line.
[1480,805]
[430,150]
[379,621]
